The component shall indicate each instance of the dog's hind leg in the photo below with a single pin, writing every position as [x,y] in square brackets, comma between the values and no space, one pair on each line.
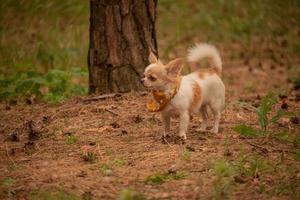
[204,114]
[216,108]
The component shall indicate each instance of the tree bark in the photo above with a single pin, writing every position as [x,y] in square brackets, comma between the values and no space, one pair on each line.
[121,34]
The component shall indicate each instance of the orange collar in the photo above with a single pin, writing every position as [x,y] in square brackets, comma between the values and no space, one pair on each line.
[162,98]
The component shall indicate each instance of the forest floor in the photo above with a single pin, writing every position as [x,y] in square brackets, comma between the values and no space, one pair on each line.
[105,149]
[112,148]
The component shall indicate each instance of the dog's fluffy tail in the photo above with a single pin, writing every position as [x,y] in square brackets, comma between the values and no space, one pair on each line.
[203,50]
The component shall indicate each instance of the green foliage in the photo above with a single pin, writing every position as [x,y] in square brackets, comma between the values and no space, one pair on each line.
[252,166]
[228,173]
[264,108]
[223,168]
[53,34]
[263,113]
[54,86]
[159,178]
[224,20]
[107,168]
[71,139]
[223,183]
[294,75]
[128,194]
[61,194]
[296,82]
[297,155]
[296,142]
[89,157]
[6,188]
[186,155]
[287,187]
[245,130]
[43,50]
[7,182]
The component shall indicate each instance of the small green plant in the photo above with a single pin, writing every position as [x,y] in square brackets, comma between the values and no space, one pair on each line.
[296,142]
[223,183]
[296,83]
[117,162]
[6,186]
[107,168]
[186,155]
[89,157]
[54,86]
[159,178]
[264,121]
[60,194]
[297,155]
[223,168]
[128,194]
[252,166]
[287,187]
[71,139]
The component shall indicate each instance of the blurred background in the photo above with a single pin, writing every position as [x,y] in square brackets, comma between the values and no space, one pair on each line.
[44,43]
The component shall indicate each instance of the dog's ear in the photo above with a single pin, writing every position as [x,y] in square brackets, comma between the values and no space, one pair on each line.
[174,67]
[152,58]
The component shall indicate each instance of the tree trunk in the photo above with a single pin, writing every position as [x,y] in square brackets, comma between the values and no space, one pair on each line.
[121,33]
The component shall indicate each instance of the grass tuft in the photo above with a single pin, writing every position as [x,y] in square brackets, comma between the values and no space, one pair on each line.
[128,194]
[159,178]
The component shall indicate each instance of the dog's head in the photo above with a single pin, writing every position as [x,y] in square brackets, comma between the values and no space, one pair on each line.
[158,76]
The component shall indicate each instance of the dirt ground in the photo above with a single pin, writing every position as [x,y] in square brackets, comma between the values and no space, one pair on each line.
[94,149]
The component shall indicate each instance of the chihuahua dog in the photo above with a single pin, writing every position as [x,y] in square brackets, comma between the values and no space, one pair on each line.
[183,95]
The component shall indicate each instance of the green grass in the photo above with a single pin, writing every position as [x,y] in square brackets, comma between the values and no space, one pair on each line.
[229,175]
[223,182]
[107,168]
[41,35]
[6,187]
[39,39]
[60,194]
[159,178]
[71,139]
[89,157]
[263,112]
[226,21]
[54,86]
[128,194]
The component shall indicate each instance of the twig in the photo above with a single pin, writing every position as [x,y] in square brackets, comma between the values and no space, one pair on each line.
[166,141]
[199,171]
[100,97]
[262,149]
[112,112]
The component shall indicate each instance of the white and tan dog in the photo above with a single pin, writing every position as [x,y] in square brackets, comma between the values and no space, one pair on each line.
[183,95]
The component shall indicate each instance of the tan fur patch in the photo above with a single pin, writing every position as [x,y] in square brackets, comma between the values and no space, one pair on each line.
[203,72]
[196,95]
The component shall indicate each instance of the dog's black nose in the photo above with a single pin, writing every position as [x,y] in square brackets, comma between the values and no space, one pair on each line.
[142,80]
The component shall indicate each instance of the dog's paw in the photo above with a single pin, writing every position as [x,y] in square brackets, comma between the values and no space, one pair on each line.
[180,140]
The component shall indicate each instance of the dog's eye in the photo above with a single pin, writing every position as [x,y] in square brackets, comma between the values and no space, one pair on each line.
[152,78]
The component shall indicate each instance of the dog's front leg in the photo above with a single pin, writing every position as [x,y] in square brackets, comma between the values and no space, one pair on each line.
[184,123]
[166,118]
